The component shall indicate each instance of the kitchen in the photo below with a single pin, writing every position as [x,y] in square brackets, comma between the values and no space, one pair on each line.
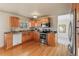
[23,26]
[20,34]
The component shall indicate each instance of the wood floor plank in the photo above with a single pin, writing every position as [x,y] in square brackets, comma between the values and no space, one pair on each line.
[35,49]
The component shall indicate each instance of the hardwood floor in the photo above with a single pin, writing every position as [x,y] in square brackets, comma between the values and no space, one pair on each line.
[35,49]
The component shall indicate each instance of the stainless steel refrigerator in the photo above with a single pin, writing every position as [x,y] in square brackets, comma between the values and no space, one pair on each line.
[66,31]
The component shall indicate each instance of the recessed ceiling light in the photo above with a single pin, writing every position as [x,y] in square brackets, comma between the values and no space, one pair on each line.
[35,16]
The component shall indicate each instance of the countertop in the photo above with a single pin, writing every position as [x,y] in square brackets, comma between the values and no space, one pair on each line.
[17,31]
[27,31]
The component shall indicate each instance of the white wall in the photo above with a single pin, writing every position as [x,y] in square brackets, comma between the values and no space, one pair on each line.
[4,25]
[54,22]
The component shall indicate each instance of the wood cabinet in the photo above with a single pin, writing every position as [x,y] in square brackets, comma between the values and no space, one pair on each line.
[77,17]
[39,21]
[8,40]
[44,20]
[25,36]
[14,21]
[77,12]
[51,39]
[77,36]
[31,34]
[32,23]
[75,7]
[36,36]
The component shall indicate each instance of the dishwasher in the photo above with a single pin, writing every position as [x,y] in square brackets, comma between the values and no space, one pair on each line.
[17,38]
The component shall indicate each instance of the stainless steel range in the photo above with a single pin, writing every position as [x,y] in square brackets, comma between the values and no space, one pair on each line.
[43,38]
[43,35]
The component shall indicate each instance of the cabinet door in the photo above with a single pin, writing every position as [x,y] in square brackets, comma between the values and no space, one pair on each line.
[36,36]
[31,35]
[14,21]
[32,23]
[44,20]
[51,39]
[77,24]
[73,6]
[77,8]
[77,36]
[24,37]
[77,14]
[8,40]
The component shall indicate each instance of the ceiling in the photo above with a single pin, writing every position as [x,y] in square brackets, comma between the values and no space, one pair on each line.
[29,9]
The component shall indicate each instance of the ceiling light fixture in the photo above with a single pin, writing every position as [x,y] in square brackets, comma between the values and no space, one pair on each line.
[35,16]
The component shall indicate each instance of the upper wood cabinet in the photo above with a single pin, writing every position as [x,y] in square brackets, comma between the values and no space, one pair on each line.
[51,39]
[44,20]
[77,12]
[73,6]
[39,21]
[8,40]
[14,21]
[32,23]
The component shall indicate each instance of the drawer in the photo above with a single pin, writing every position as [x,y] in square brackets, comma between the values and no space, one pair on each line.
[77,30]
[77,38]
[77,23]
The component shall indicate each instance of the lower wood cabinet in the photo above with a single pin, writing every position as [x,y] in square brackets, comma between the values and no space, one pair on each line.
[36,36]
[77,36]
[51,39]
[31,35]
[25,37]
[8,40]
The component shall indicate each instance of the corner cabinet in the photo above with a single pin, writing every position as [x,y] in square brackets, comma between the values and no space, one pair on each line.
[51,39]
[8,40]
